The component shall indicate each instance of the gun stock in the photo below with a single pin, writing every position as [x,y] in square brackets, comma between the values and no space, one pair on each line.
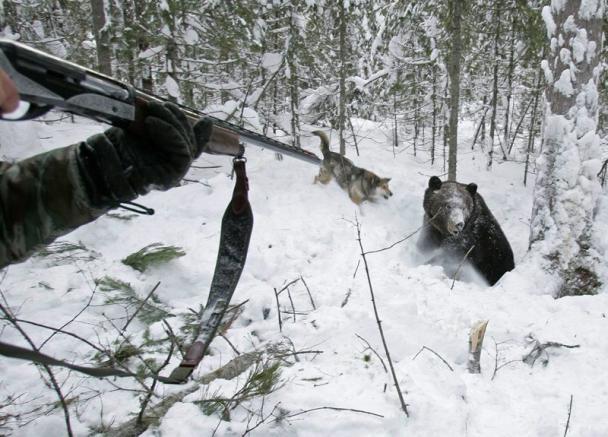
[46,82]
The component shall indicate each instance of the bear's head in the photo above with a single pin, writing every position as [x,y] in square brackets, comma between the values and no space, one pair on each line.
[449,205]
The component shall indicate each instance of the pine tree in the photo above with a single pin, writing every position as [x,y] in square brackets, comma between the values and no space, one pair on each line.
[567,187]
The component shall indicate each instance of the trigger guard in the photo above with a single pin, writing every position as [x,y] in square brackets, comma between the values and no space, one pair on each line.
[34,111]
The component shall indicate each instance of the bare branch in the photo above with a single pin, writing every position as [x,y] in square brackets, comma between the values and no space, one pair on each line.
[379,323]
[332,409]
[10,317]
[276,296]
[438,356]
[312,302]
[369,346]
[141,305]
[87,305]
[569,414]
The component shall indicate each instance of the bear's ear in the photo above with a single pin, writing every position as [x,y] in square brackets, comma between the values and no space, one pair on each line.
[472,188]
[434,183]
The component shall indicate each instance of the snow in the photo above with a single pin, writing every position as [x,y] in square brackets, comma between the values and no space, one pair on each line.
[172,87]
[549,22]
[272,61]
[590,9]
[306,229]
[564,83]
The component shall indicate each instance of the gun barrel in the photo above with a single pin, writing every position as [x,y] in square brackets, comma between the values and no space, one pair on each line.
[222,128]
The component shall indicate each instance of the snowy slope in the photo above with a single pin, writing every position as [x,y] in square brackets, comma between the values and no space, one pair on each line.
[308,230]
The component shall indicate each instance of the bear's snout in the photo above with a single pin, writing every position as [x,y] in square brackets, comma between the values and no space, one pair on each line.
[455,222]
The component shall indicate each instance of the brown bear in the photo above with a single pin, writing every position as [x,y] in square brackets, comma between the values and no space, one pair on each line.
[456,219]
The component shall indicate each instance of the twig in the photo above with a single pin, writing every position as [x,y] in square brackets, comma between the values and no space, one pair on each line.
[293,308]
[230,344]
[369,346]
[262,419]
[436,354]
[379,322]
[569,414]
[357,268]
[407,237]
[346,298]
[496,366]
[60,331]
[87,305]
[143,303]
[288,285]
[47,368]
[332,409]
[173,337]
[276,296]
[146,400]
[457,273]
[312,302]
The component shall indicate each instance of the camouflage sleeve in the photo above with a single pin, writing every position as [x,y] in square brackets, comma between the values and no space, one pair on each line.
[41,198]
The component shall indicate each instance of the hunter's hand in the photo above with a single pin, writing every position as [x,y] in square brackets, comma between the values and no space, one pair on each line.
[118,165]
[9,97]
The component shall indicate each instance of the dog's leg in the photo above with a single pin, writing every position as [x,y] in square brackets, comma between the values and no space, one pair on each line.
[324,176]
[355,196]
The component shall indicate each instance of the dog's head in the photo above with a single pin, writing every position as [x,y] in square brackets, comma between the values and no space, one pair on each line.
[382,188]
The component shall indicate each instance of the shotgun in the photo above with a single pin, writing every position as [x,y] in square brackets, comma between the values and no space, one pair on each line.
[45,82]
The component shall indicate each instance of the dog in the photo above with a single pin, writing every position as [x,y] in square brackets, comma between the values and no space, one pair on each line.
[359,183]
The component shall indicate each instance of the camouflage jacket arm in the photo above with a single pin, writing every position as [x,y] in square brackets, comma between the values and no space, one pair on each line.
[41,198]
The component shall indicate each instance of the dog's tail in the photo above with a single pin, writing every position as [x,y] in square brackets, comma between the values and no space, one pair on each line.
[324,141]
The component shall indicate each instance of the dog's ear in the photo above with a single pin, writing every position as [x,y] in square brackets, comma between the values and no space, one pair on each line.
[386,180]
[472,189]
[434,183]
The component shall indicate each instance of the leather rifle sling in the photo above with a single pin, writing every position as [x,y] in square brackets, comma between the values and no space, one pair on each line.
[237,224]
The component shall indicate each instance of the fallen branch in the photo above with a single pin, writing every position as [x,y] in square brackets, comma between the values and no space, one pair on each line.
[231,370]
[540,348]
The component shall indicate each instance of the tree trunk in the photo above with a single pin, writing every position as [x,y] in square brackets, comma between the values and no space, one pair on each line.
[395,123]
[455,7]
[102,37]
[435,110]
[293,80]
[510,72]
[416,112]
[494,87]
[567,187]
[342,103]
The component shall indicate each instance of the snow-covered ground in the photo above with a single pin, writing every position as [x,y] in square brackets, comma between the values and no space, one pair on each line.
[306,230]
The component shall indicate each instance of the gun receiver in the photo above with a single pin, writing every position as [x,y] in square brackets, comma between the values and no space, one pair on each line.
[46,82]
